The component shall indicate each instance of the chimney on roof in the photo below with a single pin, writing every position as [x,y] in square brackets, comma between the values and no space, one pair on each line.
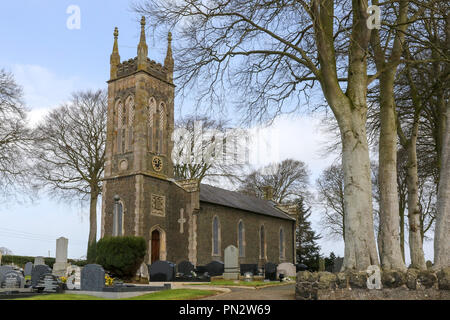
[267,193]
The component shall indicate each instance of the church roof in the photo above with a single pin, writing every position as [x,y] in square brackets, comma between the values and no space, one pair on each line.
[241,201]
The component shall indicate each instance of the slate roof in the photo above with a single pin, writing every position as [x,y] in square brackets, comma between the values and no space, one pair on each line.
[240,201]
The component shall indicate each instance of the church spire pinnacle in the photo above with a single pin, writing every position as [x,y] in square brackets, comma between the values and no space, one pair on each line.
[142,50]
[115,57]
[168,62]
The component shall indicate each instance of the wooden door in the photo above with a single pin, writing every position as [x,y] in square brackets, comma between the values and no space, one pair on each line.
[155,245]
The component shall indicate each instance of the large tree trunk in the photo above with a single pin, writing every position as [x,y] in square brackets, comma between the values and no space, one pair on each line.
[93,218]
[360,248]
[402,232]
[442,229]
[415,234]
[390,251]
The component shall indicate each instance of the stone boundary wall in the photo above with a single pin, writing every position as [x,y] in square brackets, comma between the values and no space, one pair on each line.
[395,285]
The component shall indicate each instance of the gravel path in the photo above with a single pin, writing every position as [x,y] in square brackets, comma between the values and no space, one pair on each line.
[286,292]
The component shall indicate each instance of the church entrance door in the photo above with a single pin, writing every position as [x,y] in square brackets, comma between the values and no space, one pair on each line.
[155,245]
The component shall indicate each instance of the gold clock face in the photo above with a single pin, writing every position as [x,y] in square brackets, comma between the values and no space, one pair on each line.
[157,164]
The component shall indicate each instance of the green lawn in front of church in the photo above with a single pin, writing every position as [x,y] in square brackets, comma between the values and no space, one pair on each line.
[175,294]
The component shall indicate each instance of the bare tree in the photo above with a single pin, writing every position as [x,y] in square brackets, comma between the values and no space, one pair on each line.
[69,152]
[288,179]
[330,189]
[14,136]
[200,150]
[272,53]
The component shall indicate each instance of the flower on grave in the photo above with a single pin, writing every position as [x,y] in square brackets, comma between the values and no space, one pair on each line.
[108,280]
[63,279]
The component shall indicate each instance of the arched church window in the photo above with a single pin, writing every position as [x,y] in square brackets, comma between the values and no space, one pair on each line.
[118,218]
[216,236]
[241,241]
[162,125]
[120,127]
[131,114]
[262,242]
[151,109]
[281,243]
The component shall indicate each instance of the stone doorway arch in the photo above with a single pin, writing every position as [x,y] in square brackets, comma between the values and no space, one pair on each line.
[157,244]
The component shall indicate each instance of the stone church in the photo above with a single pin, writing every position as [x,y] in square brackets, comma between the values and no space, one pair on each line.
[180,220]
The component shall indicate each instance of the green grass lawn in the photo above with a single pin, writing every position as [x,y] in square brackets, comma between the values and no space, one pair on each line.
[175,294]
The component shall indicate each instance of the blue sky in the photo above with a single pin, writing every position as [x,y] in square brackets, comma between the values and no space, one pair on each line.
[51,61]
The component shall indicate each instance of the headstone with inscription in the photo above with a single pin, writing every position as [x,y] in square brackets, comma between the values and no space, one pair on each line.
[13,280]
[3,271]
[231,265]
[49,283]
[92,278]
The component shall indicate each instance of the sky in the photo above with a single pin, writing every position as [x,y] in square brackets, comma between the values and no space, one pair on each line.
[51,58]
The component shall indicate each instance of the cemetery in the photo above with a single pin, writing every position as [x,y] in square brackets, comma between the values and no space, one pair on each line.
[37,278]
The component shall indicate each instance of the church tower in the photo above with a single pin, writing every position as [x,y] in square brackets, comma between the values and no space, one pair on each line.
[138,165]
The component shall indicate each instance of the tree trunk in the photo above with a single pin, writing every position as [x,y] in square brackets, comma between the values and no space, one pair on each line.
[442,229]
[402,232]
[360,248]
[415,237]
[93,217]
[391,256]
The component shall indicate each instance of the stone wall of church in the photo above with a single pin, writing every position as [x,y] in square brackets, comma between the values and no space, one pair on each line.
[119,186]
[175,199]
[229,219]
[160,202]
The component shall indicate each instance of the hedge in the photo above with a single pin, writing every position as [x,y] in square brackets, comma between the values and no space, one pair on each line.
[22,260]
[121,256]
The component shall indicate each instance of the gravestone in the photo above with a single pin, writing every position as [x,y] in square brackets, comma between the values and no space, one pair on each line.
[337,264]
[143,271]
[27,273]
[202,270]
[92,278]
[37,272]
[49,283]
[162,271]
[39,261]
[253,268]
[215,268]
[13,280]
[60,266]
[301,267]
[3,271]
[270,271]
[185,268]
[231,265]
[73,274]
[286,268]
